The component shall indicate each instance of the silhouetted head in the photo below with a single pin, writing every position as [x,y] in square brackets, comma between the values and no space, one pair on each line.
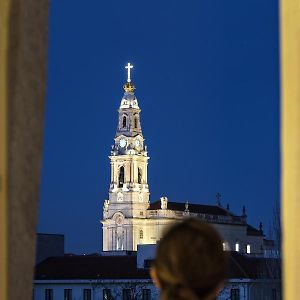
[190,262]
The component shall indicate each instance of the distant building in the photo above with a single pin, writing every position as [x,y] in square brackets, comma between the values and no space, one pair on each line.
[132,226]
[129,219]
[49,245]
[125,275]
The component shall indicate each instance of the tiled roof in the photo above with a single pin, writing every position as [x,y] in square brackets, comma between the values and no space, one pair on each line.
[206,209]
[125,267]
[90,267]
[253,267]
[193,208]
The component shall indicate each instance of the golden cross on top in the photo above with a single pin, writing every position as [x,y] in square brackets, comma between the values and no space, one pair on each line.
[128,67]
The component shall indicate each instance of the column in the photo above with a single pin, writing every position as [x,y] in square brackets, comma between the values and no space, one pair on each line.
[290,144]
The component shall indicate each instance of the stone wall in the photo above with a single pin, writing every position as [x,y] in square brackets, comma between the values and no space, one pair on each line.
[23,56]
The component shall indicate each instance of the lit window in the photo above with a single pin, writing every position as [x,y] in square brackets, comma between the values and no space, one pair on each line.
[226,246]
[248,248]
[141,234]
[237,247]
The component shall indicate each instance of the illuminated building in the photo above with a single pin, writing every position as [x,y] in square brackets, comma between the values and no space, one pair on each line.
[132,226]
[129,219]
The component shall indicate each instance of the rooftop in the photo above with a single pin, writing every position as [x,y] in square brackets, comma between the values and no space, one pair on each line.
[125,267]
[210,213]
[193,208]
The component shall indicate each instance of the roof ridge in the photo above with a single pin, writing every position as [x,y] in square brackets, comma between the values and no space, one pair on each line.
[191,203]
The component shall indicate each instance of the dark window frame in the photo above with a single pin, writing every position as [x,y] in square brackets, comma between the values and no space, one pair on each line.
[121,177]
[140,175]
[67,294]
[235,294]
[106,294]
[127,294]
[135,122]
[146,294]
[87,294]
[124,122]
[48,294]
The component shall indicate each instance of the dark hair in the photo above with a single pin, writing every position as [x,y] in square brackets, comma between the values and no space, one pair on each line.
[190,262]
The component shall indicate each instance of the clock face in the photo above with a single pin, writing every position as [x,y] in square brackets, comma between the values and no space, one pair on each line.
[137,143]
[122,143]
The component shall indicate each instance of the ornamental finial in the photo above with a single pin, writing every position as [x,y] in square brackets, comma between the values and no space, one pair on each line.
[128,86]
[128,67]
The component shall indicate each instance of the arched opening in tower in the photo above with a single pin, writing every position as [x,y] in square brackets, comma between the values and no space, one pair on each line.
[124,121]
[139,175]
[135,122]
[121,177]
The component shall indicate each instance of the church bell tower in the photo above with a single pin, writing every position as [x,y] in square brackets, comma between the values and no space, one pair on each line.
[128,192]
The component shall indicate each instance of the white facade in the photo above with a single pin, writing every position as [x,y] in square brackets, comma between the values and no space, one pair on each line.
[97,289]
[247,289]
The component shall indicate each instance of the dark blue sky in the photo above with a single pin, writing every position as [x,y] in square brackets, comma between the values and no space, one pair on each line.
[207,80]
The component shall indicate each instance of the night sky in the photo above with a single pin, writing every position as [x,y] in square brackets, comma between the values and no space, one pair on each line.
[207,81]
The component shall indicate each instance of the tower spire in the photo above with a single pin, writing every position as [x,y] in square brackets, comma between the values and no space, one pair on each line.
[128,190]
